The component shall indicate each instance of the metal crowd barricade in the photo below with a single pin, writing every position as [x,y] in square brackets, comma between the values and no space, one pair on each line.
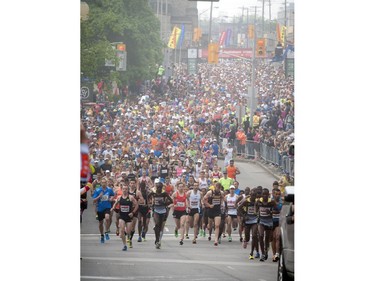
[269,154]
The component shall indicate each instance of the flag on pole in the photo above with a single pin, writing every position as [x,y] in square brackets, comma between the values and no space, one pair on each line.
[222,38]
[278,32]
[282,34]
[182,35]
[227,39]
[173,39]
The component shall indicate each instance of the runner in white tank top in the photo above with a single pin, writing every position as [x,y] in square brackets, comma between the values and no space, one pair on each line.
[231,199]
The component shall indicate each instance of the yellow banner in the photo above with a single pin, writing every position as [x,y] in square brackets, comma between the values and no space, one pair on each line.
[283,34]
[173,39]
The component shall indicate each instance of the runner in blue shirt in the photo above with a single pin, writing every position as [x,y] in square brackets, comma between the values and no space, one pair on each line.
[103,196]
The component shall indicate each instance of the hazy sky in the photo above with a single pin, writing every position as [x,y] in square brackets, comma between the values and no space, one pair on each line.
[234,7]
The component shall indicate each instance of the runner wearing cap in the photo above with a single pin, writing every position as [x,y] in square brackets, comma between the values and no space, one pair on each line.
[231,200]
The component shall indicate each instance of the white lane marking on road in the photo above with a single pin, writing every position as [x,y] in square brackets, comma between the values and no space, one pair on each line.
[230,267]
[148,278]
[184,261]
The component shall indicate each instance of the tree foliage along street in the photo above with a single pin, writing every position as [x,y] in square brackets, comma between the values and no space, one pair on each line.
[130,22]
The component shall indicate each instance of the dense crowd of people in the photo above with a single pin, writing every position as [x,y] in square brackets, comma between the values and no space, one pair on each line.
[157,155]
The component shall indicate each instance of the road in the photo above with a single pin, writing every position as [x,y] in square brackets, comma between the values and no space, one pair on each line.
[201,261]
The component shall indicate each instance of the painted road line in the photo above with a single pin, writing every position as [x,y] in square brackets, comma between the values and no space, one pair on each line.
[184,261]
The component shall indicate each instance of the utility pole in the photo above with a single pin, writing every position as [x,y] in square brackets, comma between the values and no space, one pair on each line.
[262,18]
[269,10]
[247,26]
[209,32]
[285,25]
[251,93]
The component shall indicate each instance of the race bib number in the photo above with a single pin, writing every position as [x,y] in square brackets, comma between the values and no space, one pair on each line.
[180,204]
[216,201]
[104,198]
[194,204]
[125,209]
[264,211]
[250,211]
[164,171]
[230,205]
[158,201]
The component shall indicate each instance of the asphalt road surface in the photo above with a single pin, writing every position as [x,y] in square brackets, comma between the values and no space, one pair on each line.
[202,261]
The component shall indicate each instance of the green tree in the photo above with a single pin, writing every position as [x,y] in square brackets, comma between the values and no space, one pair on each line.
[128,21]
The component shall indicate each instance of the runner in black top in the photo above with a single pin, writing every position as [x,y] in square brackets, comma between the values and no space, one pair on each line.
[159,201]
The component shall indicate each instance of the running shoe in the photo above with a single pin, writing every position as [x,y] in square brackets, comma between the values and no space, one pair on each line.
[106,236]
[125,248]
[209,238]
[263,258]
[117,232]
[244,244]
[251,257]
[215,244]
[181,242]
[143,234]
[139,239]
[157,245]
[241,239]
[130,244]
[234,229]
[201,232]
[276,257]
[194,241]
[224,235]
[187,236]
[102,239]
[229,238]
[176,233]
[144,239]
[257,255]
[204,233]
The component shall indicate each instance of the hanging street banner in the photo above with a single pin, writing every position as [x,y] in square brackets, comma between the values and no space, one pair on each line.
[175,36]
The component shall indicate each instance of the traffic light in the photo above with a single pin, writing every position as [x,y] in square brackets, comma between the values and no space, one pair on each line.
[261,47]
[195,36]
[121,47]
[199,33]
[213,53]
[250,31]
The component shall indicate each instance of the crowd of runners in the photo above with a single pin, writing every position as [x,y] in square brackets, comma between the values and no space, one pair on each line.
[157,155]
